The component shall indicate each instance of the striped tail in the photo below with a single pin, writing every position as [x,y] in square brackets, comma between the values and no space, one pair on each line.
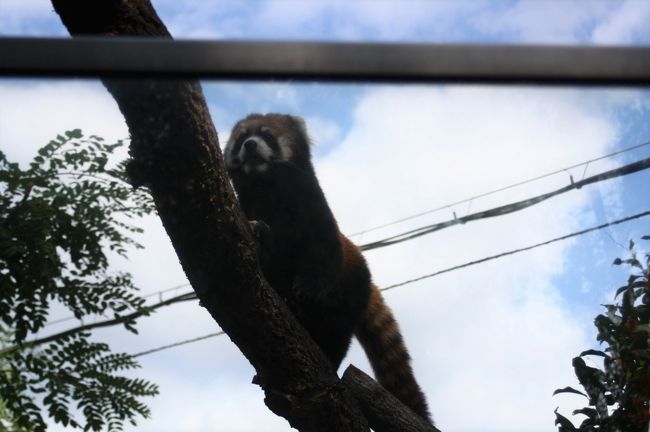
[380,338]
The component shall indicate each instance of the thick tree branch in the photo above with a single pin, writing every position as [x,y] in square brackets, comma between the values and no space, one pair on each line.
[175,148]
[385,413]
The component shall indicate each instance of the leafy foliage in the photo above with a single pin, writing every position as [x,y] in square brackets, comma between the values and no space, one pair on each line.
[59,218]
[7,421]
[618,394]
[72,368]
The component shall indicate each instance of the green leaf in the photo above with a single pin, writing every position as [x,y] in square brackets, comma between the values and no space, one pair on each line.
[594,352]
[568,390]
[564,423]
[620,290]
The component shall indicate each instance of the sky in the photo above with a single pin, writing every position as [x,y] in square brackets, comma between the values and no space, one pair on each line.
[490,342]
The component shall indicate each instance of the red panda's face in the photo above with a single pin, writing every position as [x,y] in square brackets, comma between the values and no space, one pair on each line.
[259,141]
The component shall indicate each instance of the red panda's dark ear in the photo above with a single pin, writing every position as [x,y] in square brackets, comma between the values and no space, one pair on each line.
[234,132]
[302,127]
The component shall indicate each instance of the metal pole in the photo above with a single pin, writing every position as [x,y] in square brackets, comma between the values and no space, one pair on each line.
[140,57]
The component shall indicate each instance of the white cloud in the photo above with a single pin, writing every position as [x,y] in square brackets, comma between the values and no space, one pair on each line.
[34,112]
[320,20]
[29,17]
[323,132]
[627,24]
[418,20]
[343,20]
[543,22]
[196,19]
[220,403]
[525,21]
[257,97]
[430,137]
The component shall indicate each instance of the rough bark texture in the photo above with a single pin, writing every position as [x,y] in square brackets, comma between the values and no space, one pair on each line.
[385,413]
[176,154]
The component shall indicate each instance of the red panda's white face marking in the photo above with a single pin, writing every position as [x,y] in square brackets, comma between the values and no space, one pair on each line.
[260,141]
[254,154]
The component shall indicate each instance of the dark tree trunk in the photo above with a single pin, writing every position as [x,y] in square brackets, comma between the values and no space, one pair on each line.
[176,154]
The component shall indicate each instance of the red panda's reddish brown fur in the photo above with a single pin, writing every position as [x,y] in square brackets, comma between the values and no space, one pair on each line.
[380,337]
[382,341]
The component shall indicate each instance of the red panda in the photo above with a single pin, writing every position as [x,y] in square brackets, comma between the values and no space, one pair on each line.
[320,273]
